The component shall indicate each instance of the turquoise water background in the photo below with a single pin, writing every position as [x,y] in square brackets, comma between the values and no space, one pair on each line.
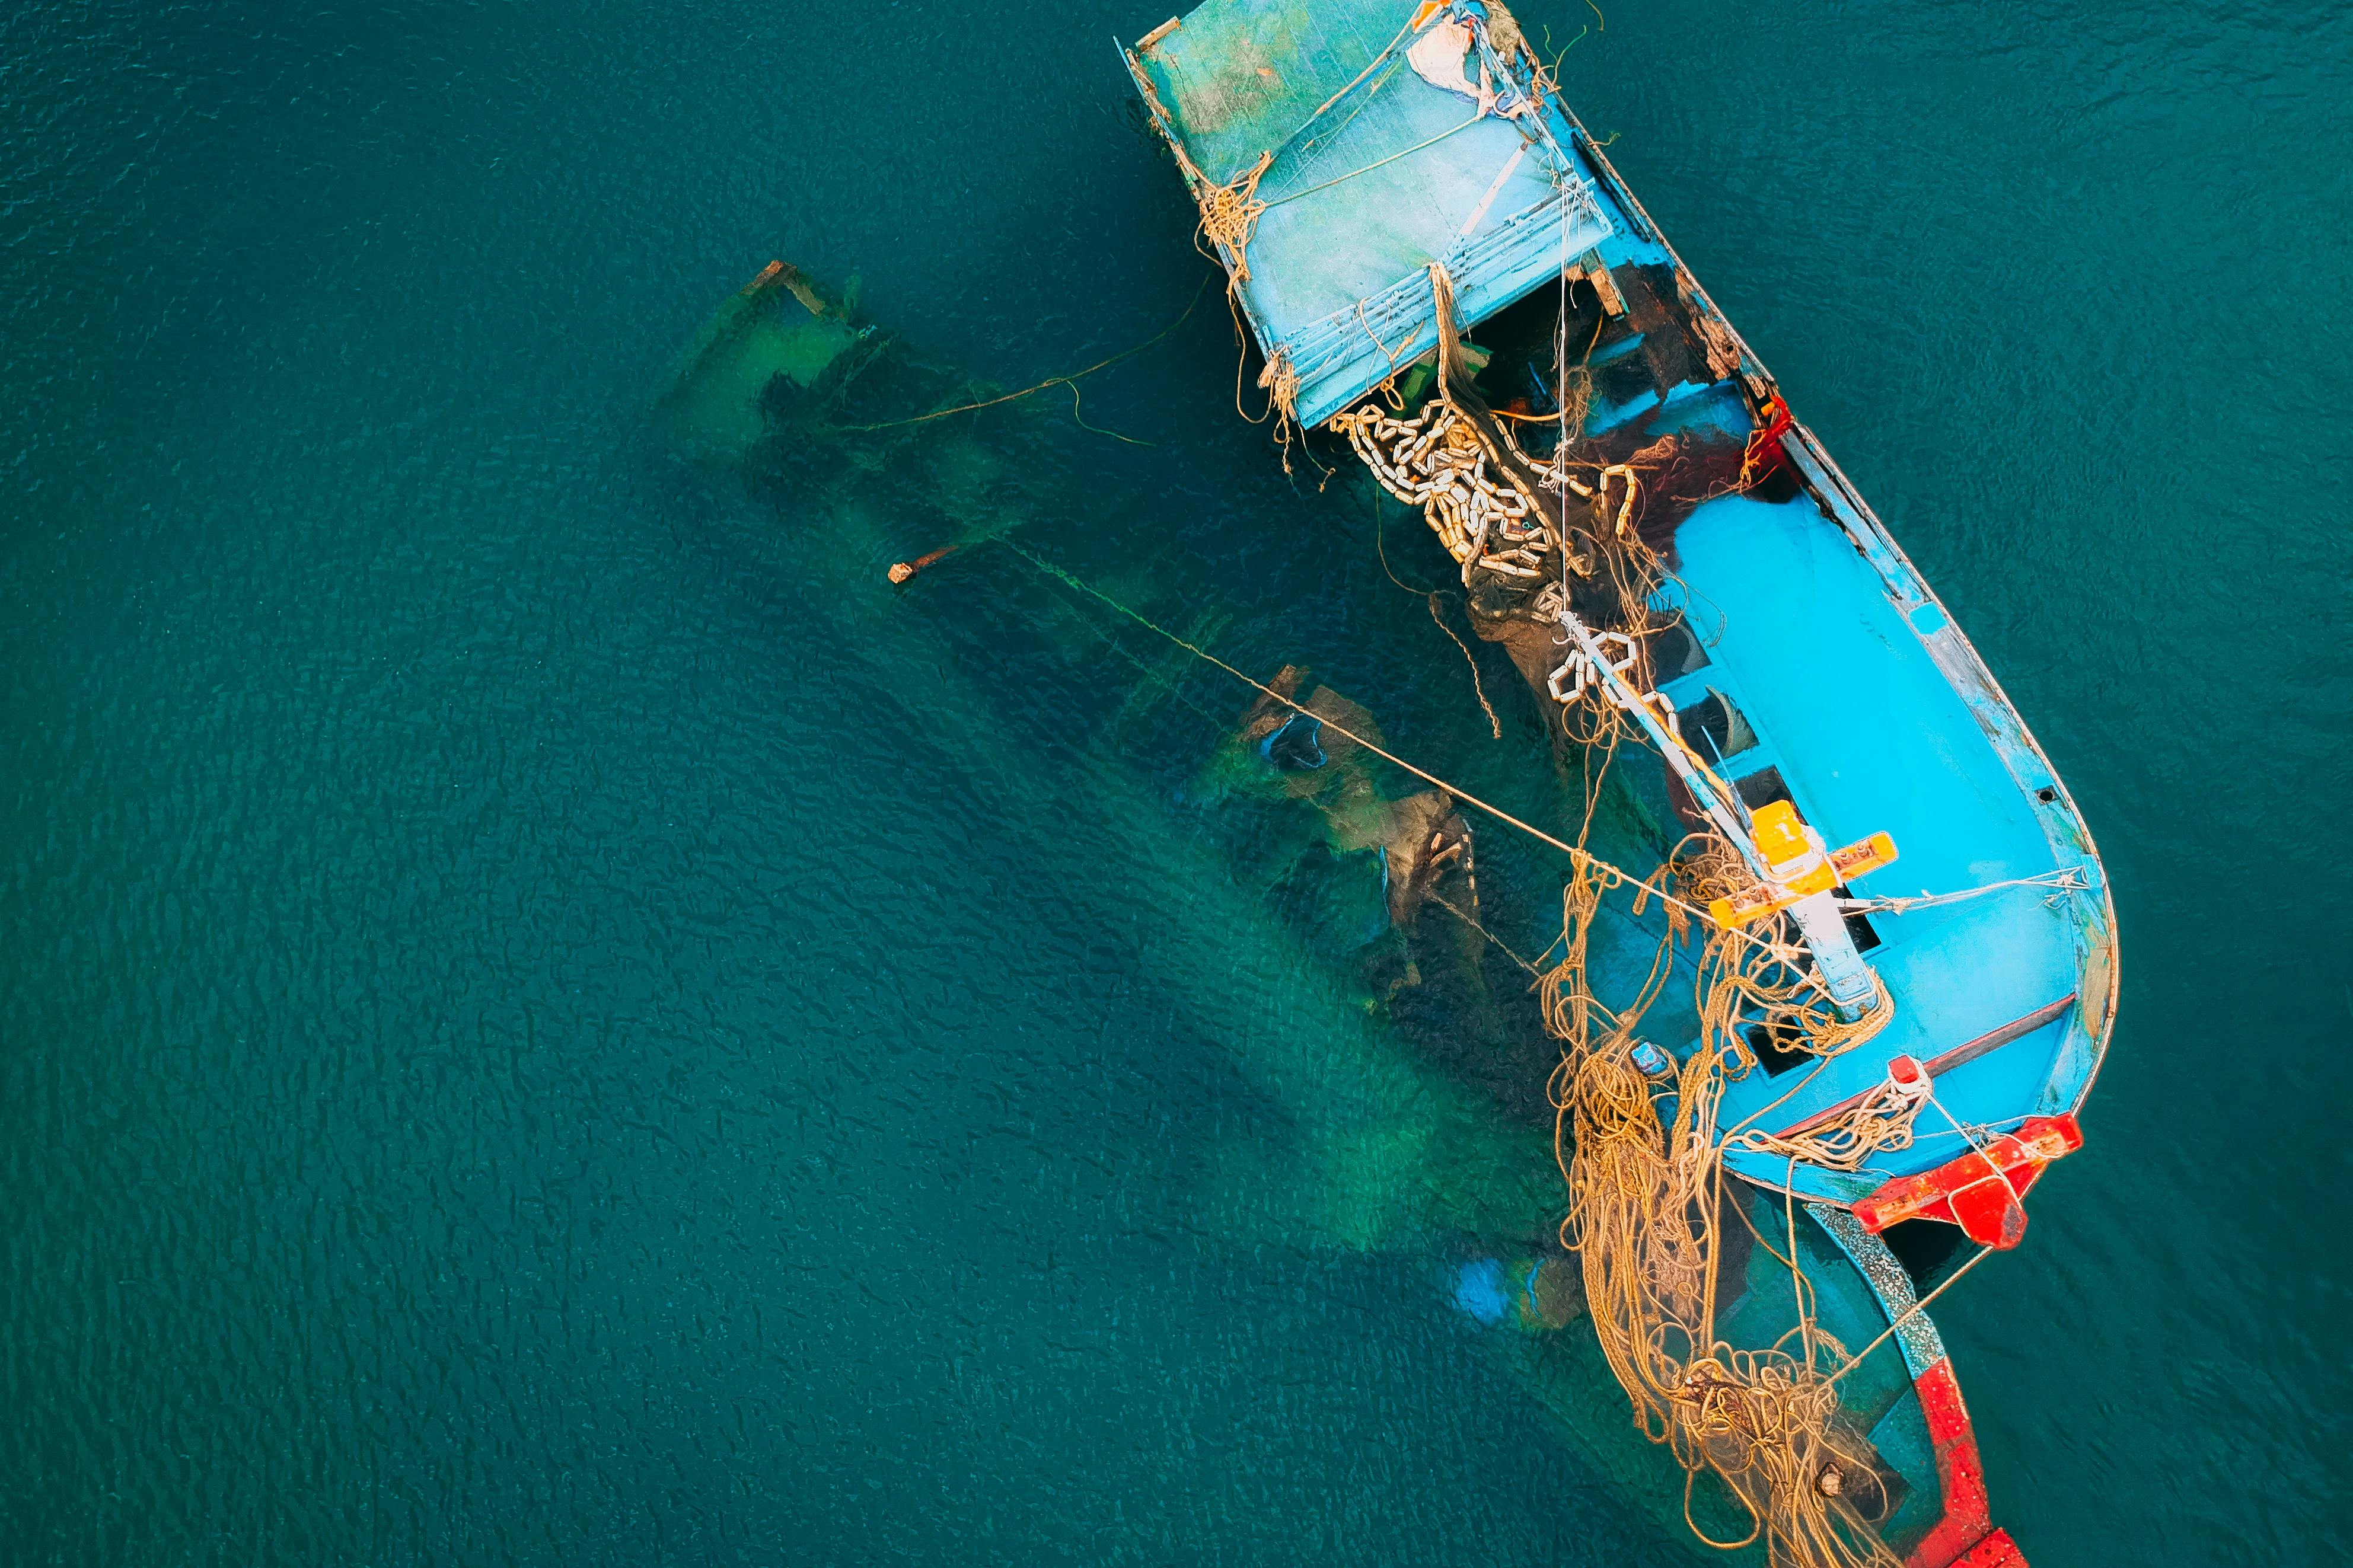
[545,1018]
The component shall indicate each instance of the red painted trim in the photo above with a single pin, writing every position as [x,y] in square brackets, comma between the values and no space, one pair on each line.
[1967,1524]
[1996,1551]
[1981,1190]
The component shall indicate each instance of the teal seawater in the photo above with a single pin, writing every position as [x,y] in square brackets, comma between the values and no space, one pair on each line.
[545,1018]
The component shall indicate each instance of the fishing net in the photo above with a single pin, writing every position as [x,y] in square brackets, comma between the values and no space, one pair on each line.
[1648,1206]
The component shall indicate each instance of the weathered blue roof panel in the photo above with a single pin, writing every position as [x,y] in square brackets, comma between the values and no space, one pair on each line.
[1372,172]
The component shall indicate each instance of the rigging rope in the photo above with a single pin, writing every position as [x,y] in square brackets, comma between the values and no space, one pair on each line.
[1611,876]
[1070,380]
[2064,879]
[1380,164]
[1478,685]
[1230,213]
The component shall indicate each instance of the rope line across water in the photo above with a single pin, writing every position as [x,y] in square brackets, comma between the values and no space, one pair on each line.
[1613,875]
[1070,380]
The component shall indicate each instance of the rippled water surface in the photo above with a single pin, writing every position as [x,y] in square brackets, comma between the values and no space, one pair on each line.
[545,1017]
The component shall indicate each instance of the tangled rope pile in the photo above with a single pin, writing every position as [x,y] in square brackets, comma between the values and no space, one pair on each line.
[1281,380]
[1648,1200]
[1484,496]
[1230,212]
[1882,1119]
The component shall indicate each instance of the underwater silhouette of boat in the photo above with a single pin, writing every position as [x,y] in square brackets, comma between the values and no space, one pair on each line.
[871,443]
[1446,277]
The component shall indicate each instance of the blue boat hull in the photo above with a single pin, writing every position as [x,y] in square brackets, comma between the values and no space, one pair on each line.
[1859,696]
[1349,183]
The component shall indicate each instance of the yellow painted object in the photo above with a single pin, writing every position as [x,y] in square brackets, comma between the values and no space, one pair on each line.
[1790,856]
[1795,867]
[1867,855]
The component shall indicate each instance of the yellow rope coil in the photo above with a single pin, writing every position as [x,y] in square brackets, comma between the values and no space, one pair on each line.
[1281,380]
[1882,1119]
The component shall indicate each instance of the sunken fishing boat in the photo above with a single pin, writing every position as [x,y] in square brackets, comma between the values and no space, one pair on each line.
[1837,967]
